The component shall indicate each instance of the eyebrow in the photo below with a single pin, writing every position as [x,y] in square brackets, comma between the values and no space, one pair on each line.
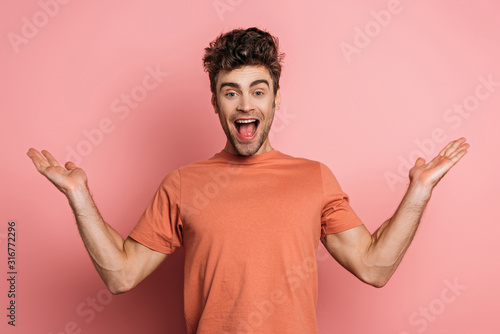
[235,85]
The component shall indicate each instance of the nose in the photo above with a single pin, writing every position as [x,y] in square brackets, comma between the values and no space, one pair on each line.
[245,104]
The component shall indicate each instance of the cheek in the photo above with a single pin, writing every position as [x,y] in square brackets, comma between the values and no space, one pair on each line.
[269,106]
[227,106]
[224,118]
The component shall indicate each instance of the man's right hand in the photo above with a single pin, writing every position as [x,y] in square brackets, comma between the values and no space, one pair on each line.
[67,179]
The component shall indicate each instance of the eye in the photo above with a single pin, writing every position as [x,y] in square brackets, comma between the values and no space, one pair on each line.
[259,93]
[230,94]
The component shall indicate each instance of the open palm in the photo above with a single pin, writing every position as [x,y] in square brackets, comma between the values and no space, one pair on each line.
[429,174]
[65,178]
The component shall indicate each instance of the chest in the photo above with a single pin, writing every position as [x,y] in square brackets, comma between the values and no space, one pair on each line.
[222,206]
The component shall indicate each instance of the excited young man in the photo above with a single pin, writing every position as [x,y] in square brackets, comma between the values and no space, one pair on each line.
[251,242]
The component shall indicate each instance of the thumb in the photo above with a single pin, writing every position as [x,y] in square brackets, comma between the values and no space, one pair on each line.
[70,165]
[420,162]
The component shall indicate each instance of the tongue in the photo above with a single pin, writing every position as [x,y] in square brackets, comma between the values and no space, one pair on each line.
[247,129]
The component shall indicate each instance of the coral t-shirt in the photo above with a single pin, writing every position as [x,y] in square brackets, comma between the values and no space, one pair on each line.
[250,228]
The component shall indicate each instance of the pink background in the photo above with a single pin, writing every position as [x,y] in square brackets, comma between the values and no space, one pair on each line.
[363,112]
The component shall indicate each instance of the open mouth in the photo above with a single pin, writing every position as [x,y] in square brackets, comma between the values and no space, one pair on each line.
[246,128]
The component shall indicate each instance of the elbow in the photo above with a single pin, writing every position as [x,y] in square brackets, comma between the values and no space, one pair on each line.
[378,283]
[115,290]
[119,286]
[378,274]
[377,279]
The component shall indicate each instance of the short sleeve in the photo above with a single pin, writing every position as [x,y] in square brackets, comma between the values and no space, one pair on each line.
[336,215]
[160,226]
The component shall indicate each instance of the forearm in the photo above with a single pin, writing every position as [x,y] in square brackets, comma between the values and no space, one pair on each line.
[391,240]
[122,264]
[104,245]
[373,258]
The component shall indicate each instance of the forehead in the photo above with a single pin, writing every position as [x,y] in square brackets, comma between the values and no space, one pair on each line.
[244,75]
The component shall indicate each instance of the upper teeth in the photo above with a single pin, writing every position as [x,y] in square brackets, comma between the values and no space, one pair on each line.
[246,120]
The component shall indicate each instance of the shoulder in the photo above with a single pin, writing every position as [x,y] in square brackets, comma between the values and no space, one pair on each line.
[300,161]
[195,168]
[323,172]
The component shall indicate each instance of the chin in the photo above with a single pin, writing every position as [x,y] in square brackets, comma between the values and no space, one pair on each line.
[248,149]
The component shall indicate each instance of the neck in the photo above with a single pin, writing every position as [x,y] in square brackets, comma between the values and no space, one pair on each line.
[264,148]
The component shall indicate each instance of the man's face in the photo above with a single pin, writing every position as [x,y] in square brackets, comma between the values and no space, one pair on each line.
[245,103]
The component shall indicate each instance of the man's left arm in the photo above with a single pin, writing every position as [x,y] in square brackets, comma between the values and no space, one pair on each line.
[373,258]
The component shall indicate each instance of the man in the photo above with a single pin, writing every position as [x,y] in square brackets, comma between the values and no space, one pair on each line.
[250,218]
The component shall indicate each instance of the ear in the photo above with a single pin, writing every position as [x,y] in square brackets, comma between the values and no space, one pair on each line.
[214,103]
[277,99]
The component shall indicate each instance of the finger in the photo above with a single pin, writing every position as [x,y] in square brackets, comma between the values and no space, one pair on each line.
[70,165]
[463,147]
[420,162]
[445,148]
[53,162]
[456,158]
[34,154]
[454,147]
[38,160]
[450,144]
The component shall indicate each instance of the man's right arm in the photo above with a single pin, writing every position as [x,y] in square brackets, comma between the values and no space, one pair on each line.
[122,264]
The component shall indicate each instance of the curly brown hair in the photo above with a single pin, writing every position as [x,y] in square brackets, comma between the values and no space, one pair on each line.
[239,48]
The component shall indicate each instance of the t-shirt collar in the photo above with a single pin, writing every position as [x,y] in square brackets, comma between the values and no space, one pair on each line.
[240,159]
